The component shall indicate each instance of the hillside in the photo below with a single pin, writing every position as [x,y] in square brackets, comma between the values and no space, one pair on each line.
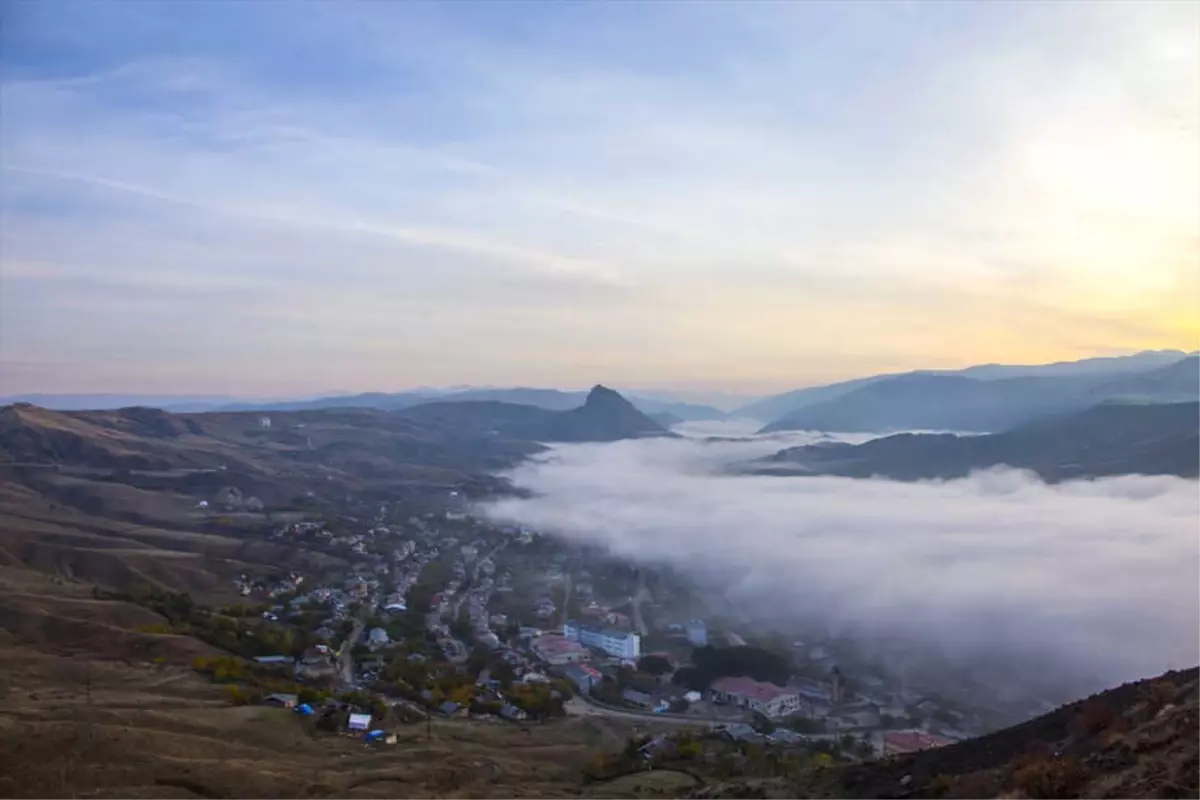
[1109,439]
[1136,740]
[959,403]
[140,728]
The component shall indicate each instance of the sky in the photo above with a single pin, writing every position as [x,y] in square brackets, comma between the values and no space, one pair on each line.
[274,198]
[1039,590]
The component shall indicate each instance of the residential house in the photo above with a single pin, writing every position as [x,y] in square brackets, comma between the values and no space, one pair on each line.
[359,722]
[281,700]
[786,736]
[512,713]
[766,698]
[315,665]
[740,732]
[559,650]
[646,701]
[378,637]
[583,676]
[661,745]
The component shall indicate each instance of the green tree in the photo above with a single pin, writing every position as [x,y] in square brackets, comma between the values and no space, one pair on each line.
[654,665]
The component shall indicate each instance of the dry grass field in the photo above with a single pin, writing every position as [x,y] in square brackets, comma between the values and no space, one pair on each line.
[74,727]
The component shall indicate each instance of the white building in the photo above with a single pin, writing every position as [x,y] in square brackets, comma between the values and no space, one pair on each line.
[765,698]
[616,643]
[697,633]
[264,422]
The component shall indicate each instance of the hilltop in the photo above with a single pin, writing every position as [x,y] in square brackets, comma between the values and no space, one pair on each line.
[605,416]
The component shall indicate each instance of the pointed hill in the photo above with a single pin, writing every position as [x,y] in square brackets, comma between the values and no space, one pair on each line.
[605,416]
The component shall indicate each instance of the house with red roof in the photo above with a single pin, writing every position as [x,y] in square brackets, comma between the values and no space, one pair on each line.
[765,698]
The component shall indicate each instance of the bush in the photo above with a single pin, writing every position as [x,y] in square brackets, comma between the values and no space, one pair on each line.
[1092,718]
[1158,694]
[654,665]
[1050,778]
[235,695]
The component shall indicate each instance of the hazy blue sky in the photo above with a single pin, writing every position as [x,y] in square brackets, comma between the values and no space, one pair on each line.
[267,197]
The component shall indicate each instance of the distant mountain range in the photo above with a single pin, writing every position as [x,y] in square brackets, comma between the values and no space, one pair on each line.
[475,435]
[769,409]
[956,402]
[549,399]
[988,397]
[1108,439]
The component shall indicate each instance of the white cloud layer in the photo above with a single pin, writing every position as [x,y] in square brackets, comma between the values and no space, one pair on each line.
[1062,588]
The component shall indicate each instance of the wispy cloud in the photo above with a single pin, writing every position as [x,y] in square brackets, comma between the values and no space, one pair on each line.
[748,180]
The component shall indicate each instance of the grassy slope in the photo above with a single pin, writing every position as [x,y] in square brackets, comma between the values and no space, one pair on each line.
[152,731]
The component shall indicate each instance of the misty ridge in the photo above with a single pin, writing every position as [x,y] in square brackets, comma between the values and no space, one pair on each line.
[1048,591]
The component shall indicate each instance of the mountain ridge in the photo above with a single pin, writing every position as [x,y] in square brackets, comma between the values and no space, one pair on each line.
[955,402]
[770,409]
[1107,439]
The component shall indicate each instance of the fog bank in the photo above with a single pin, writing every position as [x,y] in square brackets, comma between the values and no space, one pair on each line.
[1091,582]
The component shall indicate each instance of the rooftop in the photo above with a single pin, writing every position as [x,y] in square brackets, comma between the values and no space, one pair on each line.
[750,688]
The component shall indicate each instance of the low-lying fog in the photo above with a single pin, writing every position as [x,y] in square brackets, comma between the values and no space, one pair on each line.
[1083,584]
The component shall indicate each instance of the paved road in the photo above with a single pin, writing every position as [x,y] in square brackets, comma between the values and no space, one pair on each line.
[578,707]
[636,603]
[346,659]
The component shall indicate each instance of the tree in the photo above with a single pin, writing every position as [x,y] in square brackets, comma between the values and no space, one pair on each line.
[763,724]
[761,665]
[806,725]
[461,626]
[503,672]
[235,695]
[654,665]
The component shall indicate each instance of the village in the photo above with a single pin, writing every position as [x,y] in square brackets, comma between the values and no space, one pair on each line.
[444,614]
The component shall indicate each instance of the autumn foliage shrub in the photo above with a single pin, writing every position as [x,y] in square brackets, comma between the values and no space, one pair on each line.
[1092,718]
[1050,778]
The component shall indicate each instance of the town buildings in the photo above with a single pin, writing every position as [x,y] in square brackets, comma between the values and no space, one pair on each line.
[617,643]
[583,676]
[644,700]
[559,650]
[765,698]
